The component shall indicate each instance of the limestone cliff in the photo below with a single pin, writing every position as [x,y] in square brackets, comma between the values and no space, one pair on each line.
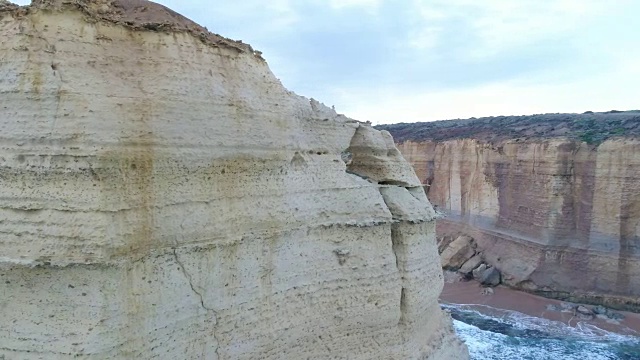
[164,196]
[556,215]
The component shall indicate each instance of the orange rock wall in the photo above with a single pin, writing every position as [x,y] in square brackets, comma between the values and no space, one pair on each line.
[556,216]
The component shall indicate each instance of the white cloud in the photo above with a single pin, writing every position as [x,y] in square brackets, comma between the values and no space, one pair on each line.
[424,38]
[503,24]
[283,11]
[367,4]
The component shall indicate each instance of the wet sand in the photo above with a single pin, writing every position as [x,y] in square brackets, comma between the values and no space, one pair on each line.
[470,292]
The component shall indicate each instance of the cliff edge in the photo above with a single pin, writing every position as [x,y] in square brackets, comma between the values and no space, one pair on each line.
[164,196]
[589,127]
[551,201]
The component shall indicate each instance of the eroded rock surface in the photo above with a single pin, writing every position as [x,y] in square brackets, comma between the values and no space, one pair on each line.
[458,253]
[556,216]
[164,196]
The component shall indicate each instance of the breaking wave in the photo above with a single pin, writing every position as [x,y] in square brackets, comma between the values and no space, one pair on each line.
[492,333]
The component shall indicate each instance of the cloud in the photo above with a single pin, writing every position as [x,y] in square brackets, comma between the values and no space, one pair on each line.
[367,4]
[499,25]
[613,89]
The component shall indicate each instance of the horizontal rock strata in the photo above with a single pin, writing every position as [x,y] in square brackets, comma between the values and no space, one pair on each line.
[164,196]
[558,217]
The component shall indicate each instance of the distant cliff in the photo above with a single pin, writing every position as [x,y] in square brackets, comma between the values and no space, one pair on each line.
[589,127]
[552,201]
[165,197]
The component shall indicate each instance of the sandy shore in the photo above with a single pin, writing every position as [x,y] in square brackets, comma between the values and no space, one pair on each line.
[470,292]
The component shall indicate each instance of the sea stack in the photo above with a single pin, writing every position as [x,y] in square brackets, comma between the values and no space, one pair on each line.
[165,197]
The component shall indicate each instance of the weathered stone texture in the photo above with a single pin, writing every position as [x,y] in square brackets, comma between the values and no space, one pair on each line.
[164,196]
[555,216]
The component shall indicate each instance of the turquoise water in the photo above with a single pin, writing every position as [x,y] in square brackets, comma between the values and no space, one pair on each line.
[509,335]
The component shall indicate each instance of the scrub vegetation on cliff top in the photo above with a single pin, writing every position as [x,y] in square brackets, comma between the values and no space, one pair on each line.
[590,127]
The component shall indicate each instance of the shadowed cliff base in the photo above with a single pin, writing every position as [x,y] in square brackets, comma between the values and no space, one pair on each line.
[590,127]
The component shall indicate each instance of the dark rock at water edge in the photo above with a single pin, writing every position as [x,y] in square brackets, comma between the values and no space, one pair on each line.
[477,273]
[490,277]
[583,312]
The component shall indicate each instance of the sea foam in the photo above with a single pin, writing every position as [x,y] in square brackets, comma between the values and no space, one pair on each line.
[492,333]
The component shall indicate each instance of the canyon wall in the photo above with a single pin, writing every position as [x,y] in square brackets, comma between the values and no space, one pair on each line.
[557,216]
[164,196]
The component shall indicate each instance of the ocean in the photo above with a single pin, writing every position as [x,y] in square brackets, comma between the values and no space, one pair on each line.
[492,333]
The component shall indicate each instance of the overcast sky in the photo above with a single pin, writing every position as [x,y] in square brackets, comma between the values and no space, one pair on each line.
[419,60]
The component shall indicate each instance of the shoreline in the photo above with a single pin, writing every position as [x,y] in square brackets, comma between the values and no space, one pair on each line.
[503,298]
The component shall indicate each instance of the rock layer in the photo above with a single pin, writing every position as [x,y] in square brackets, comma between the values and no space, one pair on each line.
[556,216]
[164,196]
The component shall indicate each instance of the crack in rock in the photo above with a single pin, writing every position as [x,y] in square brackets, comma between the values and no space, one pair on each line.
[187,275]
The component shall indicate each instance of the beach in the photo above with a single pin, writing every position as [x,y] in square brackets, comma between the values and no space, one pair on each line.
[471,293]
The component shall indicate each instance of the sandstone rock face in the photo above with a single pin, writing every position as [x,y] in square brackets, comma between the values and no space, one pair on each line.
[555,216]
[164,196]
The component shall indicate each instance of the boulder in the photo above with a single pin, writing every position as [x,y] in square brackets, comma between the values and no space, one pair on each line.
[603,312]
[600,310]
[443,242]
[451,277]
[583,313]
[583,310]
[487,291]
[614,315]
[567,306]
[552,307]
[490,277]
[471,264]
[581,316]
[477,272]
[458,252]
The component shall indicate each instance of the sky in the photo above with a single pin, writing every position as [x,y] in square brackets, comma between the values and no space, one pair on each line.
[391,61]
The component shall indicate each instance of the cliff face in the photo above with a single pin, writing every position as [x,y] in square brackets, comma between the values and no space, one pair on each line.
[556,216]
[163,196]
